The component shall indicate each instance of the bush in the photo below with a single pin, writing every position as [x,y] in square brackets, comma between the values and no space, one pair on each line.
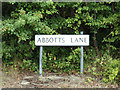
[22,22]
[105,67]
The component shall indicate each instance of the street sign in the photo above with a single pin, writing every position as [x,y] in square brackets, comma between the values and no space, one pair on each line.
[62,40]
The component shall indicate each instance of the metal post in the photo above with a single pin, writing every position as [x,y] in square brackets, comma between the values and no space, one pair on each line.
[40,60]
[81,62]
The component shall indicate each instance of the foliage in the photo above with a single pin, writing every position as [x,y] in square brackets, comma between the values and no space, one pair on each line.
[101,20]
[105,67]
[67,64]
[109,68]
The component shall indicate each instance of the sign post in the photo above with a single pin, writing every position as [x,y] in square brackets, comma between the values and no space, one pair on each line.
[40,61]
[81,63]
[61,40]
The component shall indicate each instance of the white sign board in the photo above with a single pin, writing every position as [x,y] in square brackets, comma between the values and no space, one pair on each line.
[62,40]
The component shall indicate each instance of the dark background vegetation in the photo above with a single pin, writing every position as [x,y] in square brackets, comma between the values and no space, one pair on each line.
[101,20]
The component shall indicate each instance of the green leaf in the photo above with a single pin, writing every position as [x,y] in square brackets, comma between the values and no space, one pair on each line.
[48,12]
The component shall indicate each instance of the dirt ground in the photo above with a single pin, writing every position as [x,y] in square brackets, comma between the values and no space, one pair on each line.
[51,80]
